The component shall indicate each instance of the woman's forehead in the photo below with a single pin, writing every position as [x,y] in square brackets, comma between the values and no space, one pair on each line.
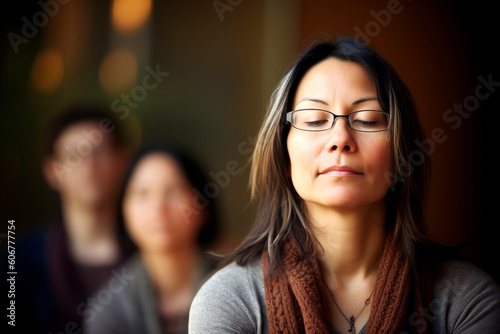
[332,80]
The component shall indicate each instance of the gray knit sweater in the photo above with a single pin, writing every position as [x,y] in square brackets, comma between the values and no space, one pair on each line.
[466,300]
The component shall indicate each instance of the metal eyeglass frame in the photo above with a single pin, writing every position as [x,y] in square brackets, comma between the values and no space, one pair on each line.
[335,117]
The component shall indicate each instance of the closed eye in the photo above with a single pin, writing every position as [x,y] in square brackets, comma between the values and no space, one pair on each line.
[313,124]
[365,124]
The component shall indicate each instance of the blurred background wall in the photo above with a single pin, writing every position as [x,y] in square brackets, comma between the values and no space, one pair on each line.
[216,64]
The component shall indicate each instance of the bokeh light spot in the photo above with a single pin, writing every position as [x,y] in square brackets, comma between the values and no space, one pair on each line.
[128,15]
[118,71]
[47,71]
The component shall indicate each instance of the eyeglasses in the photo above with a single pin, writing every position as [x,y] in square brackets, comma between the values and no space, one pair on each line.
[321,120]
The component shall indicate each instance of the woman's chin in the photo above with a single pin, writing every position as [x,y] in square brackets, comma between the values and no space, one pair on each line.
[337,199]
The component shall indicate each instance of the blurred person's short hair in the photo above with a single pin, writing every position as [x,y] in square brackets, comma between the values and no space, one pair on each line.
[78,114]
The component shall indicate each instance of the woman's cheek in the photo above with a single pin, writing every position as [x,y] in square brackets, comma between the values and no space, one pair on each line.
[298,157]
[134,213]
[303,156]
[381,164]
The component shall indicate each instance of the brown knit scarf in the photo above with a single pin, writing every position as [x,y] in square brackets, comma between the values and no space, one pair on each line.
[295,294]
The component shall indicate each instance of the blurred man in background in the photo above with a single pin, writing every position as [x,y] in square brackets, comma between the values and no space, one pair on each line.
[60,265]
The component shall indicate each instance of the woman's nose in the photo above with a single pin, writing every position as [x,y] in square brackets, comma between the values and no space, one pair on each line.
[340,136]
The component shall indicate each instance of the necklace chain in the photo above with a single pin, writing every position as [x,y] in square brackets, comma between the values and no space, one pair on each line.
[352,318]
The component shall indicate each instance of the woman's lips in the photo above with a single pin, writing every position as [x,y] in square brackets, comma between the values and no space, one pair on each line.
[340,171]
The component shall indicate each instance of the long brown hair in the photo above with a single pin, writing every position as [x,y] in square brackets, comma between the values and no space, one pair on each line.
[281,211]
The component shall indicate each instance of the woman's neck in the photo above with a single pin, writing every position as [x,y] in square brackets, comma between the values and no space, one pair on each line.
[171,271]
[351,242]
[172,274]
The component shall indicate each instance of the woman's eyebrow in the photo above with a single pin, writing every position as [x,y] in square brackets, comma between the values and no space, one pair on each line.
[364,100]
[313,100]
[359,101]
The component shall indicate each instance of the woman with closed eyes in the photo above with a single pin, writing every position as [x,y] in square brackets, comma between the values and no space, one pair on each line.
[340,244]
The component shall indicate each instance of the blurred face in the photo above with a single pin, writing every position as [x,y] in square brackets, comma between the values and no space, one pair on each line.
[86,167]
[158,206]
[338,168]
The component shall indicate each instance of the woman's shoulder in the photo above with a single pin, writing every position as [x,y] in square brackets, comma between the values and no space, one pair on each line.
[117,305]
[234,280]
[466,299]
[233,298]
[458,277]
[233,273]
[458,267]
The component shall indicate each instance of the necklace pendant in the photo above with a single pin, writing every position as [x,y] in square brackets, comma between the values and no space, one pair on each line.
[351,323]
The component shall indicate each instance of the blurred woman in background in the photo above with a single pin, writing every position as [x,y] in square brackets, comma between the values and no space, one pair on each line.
[168,220]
